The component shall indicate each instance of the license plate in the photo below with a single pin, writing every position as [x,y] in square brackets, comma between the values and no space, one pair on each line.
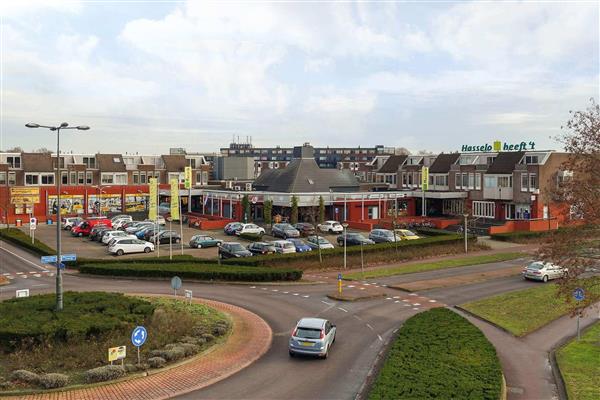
[307,344]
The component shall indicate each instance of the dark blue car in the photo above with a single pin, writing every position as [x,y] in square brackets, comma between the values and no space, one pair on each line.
[232,227]
[300,245]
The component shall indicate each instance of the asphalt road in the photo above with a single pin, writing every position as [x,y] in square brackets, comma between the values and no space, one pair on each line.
[363,327]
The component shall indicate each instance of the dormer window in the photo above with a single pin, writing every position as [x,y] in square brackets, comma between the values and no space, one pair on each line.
[116,159]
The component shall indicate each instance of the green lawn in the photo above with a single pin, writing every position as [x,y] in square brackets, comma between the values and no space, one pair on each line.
[579,364]
[430,266]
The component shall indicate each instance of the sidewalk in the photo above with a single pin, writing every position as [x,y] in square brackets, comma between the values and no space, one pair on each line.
[250,339]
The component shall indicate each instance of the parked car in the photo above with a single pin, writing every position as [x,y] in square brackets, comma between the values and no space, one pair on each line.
[231,228]
[312,336]
[165,237]
[285,231]
[331,227]
[261,248]
[250,229]
[164,208]
[353,239]
[130,245]
[70,223]
[102,233]
[108,235]
[305,228]
[405,234]
[316,242]
[118,224]
[136,226]
[84,228]
[543,271]
[283,246]
[200,241]
[151,231]
[300,246]
[97,237]
[121,216]
[95,230]
[233,250]
[382,236]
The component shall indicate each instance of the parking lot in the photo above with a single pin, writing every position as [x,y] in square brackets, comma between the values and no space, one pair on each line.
[85,248]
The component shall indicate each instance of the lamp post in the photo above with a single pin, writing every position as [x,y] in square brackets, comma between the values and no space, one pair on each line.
[345,225]
[59,283]
[466,231]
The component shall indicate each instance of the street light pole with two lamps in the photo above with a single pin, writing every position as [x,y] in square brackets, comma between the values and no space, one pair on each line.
[64,125]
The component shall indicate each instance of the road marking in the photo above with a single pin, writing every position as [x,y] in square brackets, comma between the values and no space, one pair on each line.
[37,275]
[407,305]
[6,274]
[405,300]
[252,287]
[285,292]
[20,273]
[415,308]
[432,301]
[396,297]
[306,296]
[413,294]
[350,286]
[296,294]
[24,259]
[357,317]
[380,338]
[397,301]
[362,288]
[366,284]
[340,308]
[370,327]
[24,276]
[10,277]
[329,304]
[274,290]
[416,304]
[388,298]
[32,272]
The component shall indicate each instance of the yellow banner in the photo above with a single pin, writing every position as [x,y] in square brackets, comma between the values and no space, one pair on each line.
[153,206]
[188,177]
[425,178]
[117,353]
[24,195]
[175,199]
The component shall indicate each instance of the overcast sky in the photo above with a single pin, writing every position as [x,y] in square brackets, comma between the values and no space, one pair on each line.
[147,76]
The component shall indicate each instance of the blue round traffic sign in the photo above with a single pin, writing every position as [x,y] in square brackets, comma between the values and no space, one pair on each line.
[579,294]
[339,277]
[139,336]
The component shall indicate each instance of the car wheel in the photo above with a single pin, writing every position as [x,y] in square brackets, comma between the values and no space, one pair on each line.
[331,231]
[119,252]
[198,246]
[545,278]
[146,249]
[177,241]
[80,234]
[324,356]
[68,228]
[221,256]
[292,354]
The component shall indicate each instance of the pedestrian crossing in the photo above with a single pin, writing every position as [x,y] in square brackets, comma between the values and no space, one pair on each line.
[26,275]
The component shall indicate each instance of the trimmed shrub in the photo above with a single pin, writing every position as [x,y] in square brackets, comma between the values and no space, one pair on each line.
[219,330]
[208,337]
[130,368]
[22,375]
[189,348]
[19,238]
[53,380]
[156,362]
[439,355]
[104,373]
[194,271]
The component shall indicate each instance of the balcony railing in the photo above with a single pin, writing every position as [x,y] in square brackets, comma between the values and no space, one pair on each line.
[498,193]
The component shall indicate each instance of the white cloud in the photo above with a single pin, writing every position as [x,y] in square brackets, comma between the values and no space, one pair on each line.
[318,64]
[19,8]
[355,103]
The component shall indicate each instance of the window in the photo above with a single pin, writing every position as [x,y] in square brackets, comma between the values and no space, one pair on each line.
[471,181]
[477,181]
[14,161]
[404,179]
[73,178]
[12,178]
[465,180]
[136,178]
[524,182]
[192,163]
[120,179]
[143,177]
[81,178]
[157,175]
[89,162]
[466,160]
[2,178]
[89,177]
[457,180]
[531,159]
[106,178]
[485,209]
[533,183]
[64,177]
[47,179]
[117,160]
[441,180]
[32,179]
[491,182]
[490,160]
[505,181]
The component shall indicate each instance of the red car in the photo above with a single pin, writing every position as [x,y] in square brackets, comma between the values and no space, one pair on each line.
[84,228]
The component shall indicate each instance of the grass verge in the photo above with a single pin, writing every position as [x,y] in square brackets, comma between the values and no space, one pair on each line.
[523,311]
[439,355]
[430,266]
[579,363]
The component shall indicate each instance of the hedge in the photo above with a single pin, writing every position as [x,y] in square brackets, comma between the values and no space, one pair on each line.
[19,238]
[588,230]
[439,355]
[193,271]
[350,250]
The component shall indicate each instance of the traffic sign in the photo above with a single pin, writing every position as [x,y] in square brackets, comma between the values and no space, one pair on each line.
[117,353]
[48,259]
[68,257]
[52,259]
[579,294]
[339,277]
[22,293]
[32,223]
[139,336]
[176,282]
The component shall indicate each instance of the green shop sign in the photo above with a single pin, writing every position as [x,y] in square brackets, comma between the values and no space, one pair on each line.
[499,146]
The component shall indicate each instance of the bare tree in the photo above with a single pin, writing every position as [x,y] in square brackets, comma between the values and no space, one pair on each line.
[577,187]
[401,151]
[43,150]
[313,213]
[16,149]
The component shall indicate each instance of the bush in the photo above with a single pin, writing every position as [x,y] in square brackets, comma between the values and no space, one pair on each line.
[22,375]
[156,362]
[219,330]
[439,355]
[189,348]
[131,368]
[85,315]
[586,230]
[19,238]
[102,374]
[193,271]
[53,380]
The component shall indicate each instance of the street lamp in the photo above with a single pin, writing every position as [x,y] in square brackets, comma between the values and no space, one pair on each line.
[59,283]
[345,225]
[466,231]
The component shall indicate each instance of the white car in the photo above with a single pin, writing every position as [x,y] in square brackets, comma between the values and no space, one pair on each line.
[117,224]
[250,229]
[543,271]
[70,223]
[159,218]
[130,245]
[283,246]
[121,216]
[316,242]
[115,234]
[331,227]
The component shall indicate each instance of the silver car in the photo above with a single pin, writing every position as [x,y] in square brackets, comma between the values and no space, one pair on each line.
[541,271]
[312,336]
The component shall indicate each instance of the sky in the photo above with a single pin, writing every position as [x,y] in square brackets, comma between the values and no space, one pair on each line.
[147,76]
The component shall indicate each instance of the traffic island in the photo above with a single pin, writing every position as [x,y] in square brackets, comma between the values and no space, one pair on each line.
[247,338]
[356,294]
[4,281]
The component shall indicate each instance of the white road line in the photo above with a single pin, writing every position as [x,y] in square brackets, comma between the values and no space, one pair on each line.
[370,327]
[32,272]
[37,275]
[274,290]
[362,288]
[340,308]
[366,284]
[252,287]
[432,301]
[357,317]
[20,273]
[24,259]
[415,308]
[416,304]
[397,301]
[405,300]
[350,286]
[407,305]
[285,292]
[396,297]
[324,302]
[384,285]
[10,277]
[296,294]
[306,296]
[380,338]
[6,274]
[413,294]
[388,298]
[23,276]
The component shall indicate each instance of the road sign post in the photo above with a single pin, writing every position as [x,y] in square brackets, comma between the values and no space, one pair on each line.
[579,295]
[176,284]
[138,338]
[340,284]
[22,293]
[188,295]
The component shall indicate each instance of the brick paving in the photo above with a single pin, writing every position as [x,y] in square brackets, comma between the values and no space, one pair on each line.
[250,339]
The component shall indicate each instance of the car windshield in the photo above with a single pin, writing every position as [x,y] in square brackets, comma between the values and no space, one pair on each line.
[286,226]
[407,233]
[535,265]
[288,245]
[323,241]
[237,247]
[297,242]
[336,224]
[308,333]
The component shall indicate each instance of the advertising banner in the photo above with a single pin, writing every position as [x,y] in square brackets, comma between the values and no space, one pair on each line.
[69,204]
[188,177]
[152,201]
[104,203]
[174,199]
[425,178]
[24,195]
[136,202]
[117,353]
